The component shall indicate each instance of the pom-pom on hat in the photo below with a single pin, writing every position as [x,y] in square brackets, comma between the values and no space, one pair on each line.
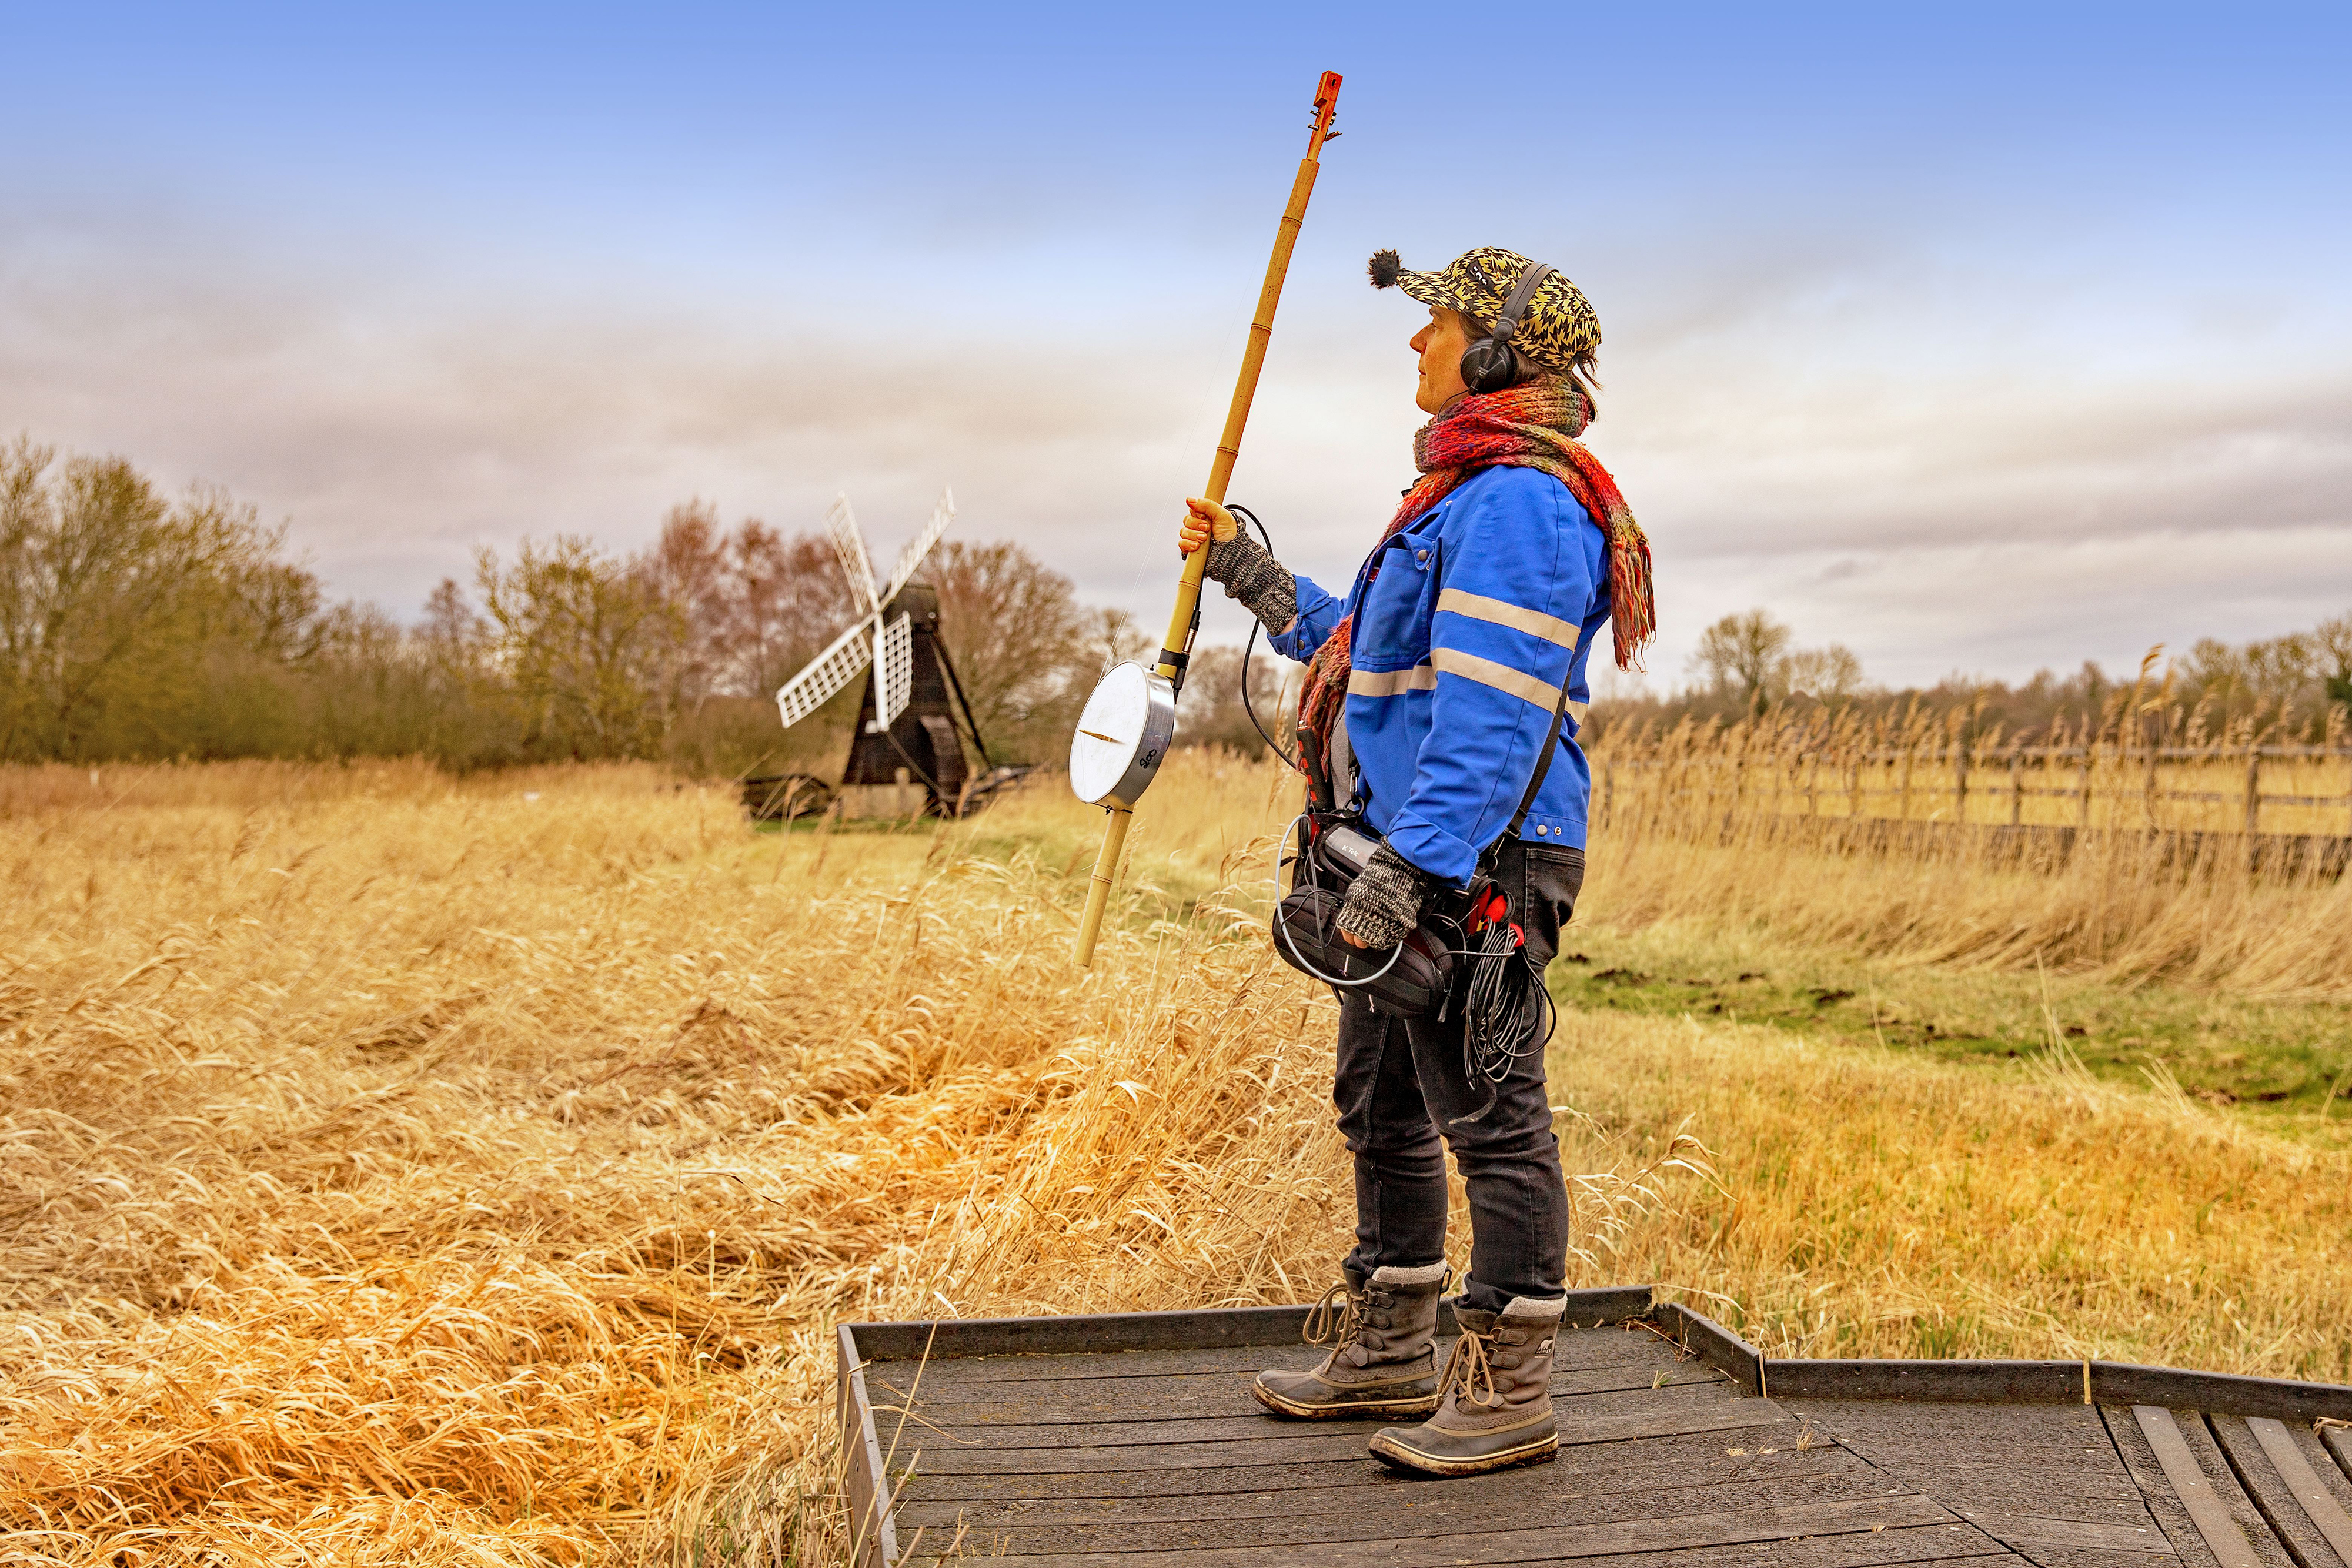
[1558,325]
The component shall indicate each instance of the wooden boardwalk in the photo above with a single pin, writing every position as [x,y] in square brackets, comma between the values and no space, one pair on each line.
[1681,1447]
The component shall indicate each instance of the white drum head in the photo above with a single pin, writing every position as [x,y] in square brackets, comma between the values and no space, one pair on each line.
[1121,737]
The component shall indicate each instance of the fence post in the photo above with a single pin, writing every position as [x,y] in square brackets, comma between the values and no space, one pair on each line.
[2016,786]
[1959,779]
[2253,790]
[2082,777]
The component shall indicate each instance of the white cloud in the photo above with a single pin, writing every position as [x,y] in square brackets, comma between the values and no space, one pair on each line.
[1806,435]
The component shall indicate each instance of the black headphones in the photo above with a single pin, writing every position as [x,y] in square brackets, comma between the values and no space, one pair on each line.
[1495,365]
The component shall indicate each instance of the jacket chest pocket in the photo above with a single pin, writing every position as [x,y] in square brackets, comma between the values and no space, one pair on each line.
[1393,632]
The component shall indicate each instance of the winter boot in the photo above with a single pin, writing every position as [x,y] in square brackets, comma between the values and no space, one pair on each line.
[1496,1397]
[1383,1360]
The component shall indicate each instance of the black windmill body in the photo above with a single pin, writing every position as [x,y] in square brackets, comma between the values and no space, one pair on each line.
[907,735]
[923,744]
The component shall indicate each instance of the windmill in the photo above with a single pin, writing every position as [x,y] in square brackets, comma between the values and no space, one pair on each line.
[906,737]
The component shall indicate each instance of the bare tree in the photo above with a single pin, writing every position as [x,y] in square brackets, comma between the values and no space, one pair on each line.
[1011,628]
[113,600]
[586,643]
[1740,654]
[1826,674]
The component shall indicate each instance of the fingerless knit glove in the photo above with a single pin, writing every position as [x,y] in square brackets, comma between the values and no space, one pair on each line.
[1384,901]
[1256,579]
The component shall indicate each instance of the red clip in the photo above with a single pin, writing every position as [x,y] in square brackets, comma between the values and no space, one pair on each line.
[1518,937]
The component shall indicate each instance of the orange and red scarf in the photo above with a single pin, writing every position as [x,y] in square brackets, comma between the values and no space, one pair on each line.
[1532,425]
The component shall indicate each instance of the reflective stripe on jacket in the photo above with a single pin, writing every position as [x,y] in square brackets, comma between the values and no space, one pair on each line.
[1467,621]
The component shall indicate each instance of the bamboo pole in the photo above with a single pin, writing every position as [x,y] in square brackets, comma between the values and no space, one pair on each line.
[1176,649]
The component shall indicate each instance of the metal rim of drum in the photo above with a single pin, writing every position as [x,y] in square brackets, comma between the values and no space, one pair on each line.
[1129,697]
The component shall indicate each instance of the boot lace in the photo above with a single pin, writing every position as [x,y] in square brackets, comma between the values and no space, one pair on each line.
[1466,1369]
[1336,1318]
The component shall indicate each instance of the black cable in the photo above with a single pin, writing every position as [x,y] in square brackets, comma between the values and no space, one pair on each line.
[1249,649]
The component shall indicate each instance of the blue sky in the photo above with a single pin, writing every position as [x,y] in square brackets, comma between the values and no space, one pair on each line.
[1977,340]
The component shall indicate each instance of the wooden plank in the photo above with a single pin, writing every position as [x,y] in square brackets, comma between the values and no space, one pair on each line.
[1866,1549]
[1189,1395]
[1653,1461]
[2339,1443]
[1713,1343]
[1576,1350]
[1940,1440]
[873,1540]
[2042,1479]
[1365,1487]
[966,1423]
[1304,1442]
[2215,1526]
[2293,1468]
[1427,1512]
[1947,1381]
[2172,1388]
[2028,1531]
[1954,1543]
[1765,1522]
[1096,1331]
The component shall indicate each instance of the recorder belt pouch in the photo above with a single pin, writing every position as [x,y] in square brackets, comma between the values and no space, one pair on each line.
[1414,979]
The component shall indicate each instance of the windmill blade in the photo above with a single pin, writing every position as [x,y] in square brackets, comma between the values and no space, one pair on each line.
[894,669]
[825,675]
[920,545]
[849,544]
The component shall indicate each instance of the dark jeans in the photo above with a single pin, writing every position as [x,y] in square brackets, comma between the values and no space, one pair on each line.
[1400,1085]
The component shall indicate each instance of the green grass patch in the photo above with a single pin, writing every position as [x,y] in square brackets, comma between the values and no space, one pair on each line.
[2286,1058]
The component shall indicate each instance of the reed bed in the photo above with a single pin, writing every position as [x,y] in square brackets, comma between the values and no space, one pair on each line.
[2141,762]
[401,1169]
[1912,837]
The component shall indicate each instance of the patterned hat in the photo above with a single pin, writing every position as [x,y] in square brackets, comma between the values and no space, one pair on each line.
[1558,323]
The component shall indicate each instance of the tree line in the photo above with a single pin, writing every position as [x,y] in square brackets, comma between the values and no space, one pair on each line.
[137,625]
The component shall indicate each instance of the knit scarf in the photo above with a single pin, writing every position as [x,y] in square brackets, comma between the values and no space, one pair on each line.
[1532,425]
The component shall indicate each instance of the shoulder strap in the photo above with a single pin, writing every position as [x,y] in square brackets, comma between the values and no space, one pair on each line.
[1543,765]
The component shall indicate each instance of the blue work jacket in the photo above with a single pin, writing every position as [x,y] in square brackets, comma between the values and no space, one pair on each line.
[1467,621]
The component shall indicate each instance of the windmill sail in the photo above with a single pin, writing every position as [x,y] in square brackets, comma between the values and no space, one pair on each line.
[826,674]
[920,545]
[894,669]
[849,546]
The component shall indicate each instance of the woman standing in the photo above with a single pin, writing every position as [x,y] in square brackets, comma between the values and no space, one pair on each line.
[1431,689]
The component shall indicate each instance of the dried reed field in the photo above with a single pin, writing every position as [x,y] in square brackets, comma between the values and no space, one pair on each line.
[2116,774]
[1764,822]
[401,1168]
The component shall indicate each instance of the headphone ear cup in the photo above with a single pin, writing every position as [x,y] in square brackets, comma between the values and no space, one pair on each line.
[1486,366]
[1491,367]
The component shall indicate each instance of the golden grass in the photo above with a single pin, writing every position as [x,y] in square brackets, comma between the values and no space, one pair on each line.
[395,1169]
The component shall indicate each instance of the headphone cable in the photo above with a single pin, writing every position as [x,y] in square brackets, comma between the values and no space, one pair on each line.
[1249,648]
